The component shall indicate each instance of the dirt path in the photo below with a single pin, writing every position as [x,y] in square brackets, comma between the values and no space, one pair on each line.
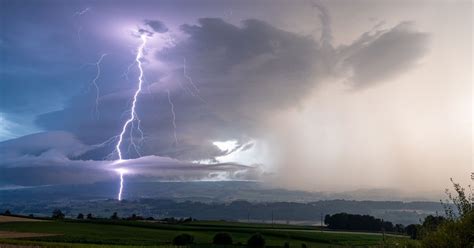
[4,218]
[18,246]
[7,234]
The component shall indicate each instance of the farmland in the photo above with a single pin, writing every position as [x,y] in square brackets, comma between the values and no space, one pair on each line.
[120,233]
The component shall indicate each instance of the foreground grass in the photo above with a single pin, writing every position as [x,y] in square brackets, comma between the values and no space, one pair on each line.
[146,234]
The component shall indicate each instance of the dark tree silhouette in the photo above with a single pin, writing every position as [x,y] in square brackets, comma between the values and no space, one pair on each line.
[412,230]
[183,239]
[80,216]
[57,214]
[222,239]
[256,241]
[399,228]
[431,222]
[114,216]
[347,221]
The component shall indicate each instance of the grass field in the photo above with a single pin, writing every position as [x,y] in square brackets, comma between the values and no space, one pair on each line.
[139,234]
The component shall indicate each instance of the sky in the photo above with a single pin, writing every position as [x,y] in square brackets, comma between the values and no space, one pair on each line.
[310,95]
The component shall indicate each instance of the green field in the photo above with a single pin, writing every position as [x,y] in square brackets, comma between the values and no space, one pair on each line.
[138,234]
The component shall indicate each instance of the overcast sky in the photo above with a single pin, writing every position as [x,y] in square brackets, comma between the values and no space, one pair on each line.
[312,95]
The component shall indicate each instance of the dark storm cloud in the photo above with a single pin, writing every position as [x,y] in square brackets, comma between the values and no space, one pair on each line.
[387,53]
[157,26]
[241,74]
[243,70]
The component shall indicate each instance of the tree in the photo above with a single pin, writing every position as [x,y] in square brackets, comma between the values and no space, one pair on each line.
[7,212]
[347,221]
[80,216]
[183,239]
[135,217]
[456,230]
[431,222]
[114,216]
[412,230]
[222,239]
[89,216]
[57,214]
[399,228]
[256,241]
[464,203]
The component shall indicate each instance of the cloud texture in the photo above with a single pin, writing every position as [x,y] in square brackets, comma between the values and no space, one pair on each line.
[224,80]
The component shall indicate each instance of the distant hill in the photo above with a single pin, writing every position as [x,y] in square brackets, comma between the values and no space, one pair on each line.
[225,191]
[207,200]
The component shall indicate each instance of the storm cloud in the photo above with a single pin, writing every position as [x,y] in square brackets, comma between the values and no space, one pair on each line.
[225,78]
[240,74]
[157,26]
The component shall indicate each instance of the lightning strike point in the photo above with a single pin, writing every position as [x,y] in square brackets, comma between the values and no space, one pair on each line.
[121,172]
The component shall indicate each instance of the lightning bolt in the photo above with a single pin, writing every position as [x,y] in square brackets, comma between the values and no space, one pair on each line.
[78,14]
[121,172]
[119,197]
[129,67]
[130,122]
[133,115]
[173,114]
[81,12]
[94,83]
[191,82]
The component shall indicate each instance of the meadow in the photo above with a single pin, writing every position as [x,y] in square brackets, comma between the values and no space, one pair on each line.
[107,233]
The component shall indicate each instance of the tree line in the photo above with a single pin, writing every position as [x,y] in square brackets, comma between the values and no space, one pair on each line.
[455,229]
[356,222]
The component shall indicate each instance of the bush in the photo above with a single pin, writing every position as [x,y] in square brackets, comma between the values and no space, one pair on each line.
[456,230]
[183,239]
[114,216]
[222,239]
[256,241]
[452,233]
[57,214]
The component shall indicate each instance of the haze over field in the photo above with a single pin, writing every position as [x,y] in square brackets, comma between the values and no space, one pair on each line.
[299,95]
